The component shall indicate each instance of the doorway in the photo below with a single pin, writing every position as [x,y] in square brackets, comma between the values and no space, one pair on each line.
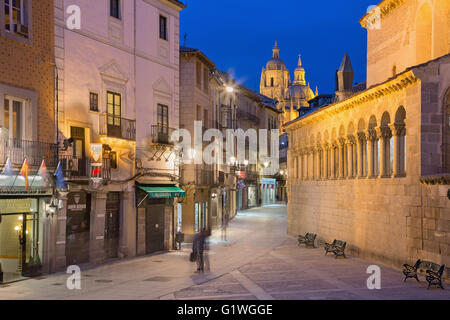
[18,244]
[78,227]
[112,225]
[154,224]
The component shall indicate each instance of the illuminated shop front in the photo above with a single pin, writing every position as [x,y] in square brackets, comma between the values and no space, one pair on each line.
[21,236]
[268,191]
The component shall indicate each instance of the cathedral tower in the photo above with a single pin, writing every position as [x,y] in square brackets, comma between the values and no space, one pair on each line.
[275,77]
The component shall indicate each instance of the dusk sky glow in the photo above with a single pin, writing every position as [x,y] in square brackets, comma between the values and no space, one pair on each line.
[239,36]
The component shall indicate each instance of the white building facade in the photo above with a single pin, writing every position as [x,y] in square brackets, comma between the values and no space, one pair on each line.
[118,101]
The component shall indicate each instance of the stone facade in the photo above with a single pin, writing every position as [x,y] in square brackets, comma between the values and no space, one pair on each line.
[359,168]
[27,63]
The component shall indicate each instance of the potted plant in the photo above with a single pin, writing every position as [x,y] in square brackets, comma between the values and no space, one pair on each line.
[33,268]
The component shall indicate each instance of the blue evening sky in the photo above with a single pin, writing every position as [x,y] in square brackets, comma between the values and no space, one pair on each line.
[238,35]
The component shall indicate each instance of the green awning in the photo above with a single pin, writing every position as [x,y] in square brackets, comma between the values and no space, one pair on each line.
[164,192]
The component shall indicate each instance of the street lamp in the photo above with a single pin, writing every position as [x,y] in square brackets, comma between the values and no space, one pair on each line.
[230,89]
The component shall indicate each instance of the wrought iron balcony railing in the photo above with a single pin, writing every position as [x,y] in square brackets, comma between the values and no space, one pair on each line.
[80,169]
[241,114]
[117,127]
[162,135]
[34,151]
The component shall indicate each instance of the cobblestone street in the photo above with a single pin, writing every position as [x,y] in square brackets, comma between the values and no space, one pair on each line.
[256,262]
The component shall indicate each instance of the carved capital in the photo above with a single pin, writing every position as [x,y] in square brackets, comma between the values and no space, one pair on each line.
[362,137]
[351,139]
[384,133]
[371,134]
[398,129]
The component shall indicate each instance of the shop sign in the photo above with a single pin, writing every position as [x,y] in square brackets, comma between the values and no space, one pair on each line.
[18,205]
[76,201]
[241,174]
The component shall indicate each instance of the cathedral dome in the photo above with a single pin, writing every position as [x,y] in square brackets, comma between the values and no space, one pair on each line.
[301,92]
[275,64]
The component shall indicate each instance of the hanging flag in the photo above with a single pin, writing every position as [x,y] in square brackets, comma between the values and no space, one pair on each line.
[59,174]
[24,173]
[8,169]
[43,173]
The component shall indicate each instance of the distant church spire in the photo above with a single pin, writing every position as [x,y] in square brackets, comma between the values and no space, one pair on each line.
[299,73]
[317,91]
[276,51]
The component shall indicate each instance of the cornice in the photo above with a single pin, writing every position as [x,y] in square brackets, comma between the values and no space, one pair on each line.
[386,7]
[400,82]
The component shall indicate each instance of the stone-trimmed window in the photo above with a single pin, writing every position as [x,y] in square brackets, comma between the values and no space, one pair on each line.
[115,9]
[93,101]
[198,74]
[16,18]
[163,31]
[205,79]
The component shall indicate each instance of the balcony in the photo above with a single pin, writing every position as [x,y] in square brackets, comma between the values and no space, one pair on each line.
[34,151]
[80,169]
[244,115]
[162,135]
[117,127]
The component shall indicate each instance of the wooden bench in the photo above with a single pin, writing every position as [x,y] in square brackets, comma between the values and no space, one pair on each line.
[433,272]
[337,247]
[308,240]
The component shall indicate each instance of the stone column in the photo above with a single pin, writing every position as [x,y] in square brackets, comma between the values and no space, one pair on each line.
[333,151]
[318,164]
[97,239]
[128,228]
[384,133]
[350,146]
[360,154]
[371,137]
[341,160]
[326,148]
[398,131]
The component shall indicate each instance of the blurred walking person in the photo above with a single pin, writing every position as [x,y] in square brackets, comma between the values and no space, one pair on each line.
[198,247]
[225,219]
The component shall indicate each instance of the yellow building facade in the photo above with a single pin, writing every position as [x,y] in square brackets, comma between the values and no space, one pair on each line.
[371,169]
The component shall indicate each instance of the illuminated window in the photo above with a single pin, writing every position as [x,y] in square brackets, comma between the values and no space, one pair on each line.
[93,101]
[13,118]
